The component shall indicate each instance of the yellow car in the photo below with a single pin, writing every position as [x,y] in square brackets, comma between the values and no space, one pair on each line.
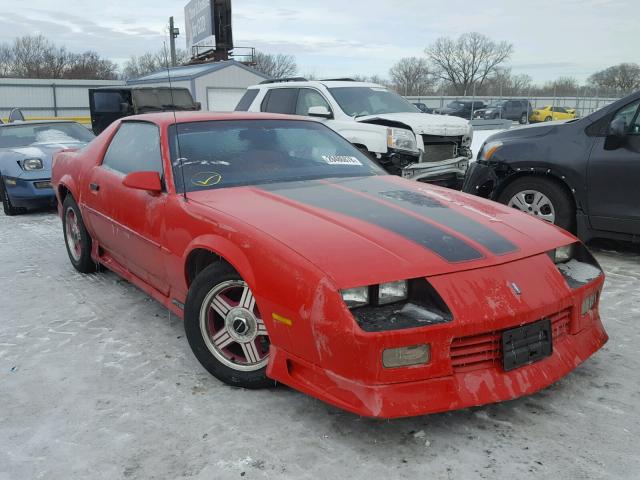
[548,113]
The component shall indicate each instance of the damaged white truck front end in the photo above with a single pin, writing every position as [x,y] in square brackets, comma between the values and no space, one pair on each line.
[404,141]
[443,144]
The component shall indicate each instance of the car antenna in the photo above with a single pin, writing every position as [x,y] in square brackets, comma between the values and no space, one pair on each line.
[175,121]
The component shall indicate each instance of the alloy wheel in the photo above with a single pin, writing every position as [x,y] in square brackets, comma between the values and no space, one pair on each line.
[72,230]
[232,327]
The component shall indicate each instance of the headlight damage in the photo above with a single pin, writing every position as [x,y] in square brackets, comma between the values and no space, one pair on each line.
[396,305]
[401,139]
[576,264]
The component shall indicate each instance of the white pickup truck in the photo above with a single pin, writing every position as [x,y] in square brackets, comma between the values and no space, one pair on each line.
[405,141]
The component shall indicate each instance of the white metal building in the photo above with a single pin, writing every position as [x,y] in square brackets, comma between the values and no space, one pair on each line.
[48,97]
[217,86]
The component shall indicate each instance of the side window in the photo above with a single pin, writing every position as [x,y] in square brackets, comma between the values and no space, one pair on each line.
[135,148]
[107,102]
[280,100]
[631,118]
[308,98]
[247,99]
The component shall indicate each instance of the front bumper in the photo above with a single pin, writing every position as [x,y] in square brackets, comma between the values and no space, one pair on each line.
[481,179]
[448,173]
[460,390]
[29,193]
[465,366]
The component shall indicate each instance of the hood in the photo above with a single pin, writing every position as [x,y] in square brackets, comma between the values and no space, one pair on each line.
[367,230]
[423,123]
[529,131]
[9,157]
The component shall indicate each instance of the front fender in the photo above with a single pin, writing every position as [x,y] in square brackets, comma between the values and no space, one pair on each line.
[226,249]
[374,137]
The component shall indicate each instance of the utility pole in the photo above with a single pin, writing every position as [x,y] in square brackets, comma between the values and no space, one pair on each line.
[173,33]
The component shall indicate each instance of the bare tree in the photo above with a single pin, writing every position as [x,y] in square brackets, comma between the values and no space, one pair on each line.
[468,60]
[6,60]
[505,83]
[37,57]
[89,65]
[624,77]
[151,62]
[276,66]
[411,76]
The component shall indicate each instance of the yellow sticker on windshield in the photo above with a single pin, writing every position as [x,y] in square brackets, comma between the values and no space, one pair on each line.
[206,179]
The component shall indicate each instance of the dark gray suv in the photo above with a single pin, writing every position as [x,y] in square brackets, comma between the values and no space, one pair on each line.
[512,109]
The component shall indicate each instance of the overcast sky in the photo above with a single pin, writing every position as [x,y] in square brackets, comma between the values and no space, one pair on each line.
[551,38]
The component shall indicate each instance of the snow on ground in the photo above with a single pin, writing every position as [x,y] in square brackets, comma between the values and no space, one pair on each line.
[97,381]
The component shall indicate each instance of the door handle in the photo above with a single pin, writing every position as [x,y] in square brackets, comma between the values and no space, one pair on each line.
[94,187]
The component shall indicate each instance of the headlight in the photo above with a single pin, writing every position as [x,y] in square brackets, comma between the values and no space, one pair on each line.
[401,139]
[576,264]
[488,150]
[393,292]
[356,297]
[32,164]
[562,254]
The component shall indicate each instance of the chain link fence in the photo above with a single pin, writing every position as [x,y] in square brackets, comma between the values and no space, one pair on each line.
[584,100]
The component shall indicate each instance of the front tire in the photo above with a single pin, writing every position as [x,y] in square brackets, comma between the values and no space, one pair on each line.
[76,237]
[542,198]
[7,206]
[225,329]
[523,119]
[547,119]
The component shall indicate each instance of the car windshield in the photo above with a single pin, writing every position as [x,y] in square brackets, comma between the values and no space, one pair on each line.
[219,154]
[63,134]
[361,101]
[455,105]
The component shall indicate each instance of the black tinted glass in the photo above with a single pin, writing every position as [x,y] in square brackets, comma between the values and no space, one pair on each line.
[246,100]
[219,154]
[280,100]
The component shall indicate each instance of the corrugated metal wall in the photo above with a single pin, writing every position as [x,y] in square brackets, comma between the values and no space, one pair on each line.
[48,98]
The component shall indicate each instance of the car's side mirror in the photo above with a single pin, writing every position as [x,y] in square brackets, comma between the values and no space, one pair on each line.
[149,181]
[198,105]
[319,111]
[125,108]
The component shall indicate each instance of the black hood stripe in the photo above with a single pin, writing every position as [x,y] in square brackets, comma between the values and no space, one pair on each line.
[324,195]
[436,211]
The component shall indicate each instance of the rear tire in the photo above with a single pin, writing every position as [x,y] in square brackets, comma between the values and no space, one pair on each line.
[547,119]
[225,329]
[523,192]
[76,237]
[7,206]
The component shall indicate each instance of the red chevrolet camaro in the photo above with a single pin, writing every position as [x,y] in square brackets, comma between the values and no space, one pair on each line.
[293,257]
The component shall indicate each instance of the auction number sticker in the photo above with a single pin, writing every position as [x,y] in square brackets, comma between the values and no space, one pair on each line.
[341,160]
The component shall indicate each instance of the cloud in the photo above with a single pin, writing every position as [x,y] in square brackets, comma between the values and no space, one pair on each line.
[336,38]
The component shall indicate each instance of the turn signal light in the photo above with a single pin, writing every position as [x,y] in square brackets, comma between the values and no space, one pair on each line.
[406,356]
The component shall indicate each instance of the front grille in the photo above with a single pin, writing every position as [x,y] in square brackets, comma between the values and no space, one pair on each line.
[439,152]
[484,350]
[439,147]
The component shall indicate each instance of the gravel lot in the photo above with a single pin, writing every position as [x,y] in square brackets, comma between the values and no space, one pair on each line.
[97,382]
